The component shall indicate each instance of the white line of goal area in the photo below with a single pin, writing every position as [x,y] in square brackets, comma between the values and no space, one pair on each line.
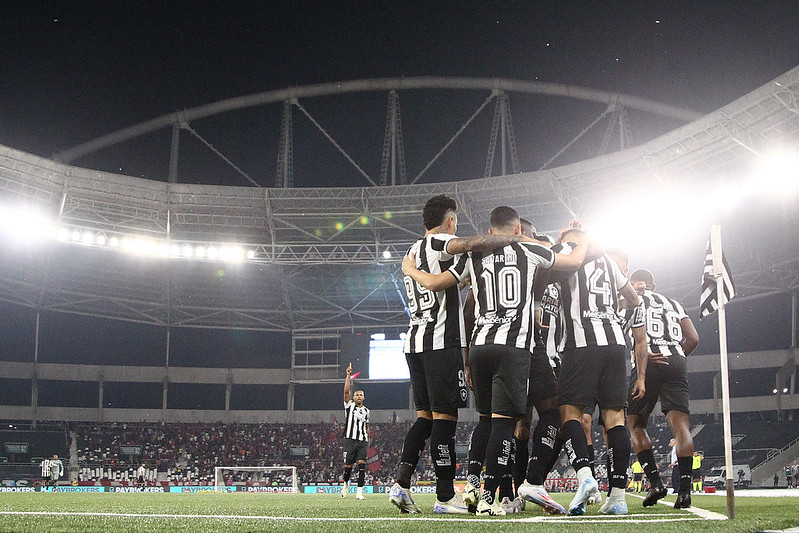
[594,519]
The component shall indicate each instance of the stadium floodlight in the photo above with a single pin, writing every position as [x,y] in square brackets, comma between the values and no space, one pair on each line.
[113,241]
[250,254]
[386,254]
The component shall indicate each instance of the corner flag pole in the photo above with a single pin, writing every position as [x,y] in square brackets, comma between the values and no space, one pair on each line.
[718,269]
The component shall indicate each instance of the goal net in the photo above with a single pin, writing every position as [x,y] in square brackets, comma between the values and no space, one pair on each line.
[256,479]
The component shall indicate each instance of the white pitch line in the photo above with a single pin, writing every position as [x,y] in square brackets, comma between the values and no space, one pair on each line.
[536,519]
[701,513]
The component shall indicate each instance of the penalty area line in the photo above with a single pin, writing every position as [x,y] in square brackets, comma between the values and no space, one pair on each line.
[537,519]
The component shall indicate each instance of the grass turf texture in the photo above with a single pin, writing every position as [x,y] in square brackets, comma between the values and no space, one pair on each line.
[300,512]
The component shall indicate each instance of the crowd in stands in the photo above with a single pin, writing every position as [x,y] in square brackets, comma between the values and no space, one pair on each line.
[188,452]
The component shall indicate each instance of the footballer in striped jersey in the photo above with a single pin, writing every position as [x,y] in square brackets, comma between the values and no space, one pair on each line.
[670,337]
[594,369]
[356,436]
[434,351]
[499,357]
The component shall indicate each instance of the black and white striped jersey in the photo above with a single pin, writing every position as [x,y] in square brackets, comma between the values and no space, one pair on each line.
[356,420]
[661,316]
[551,334]
[436,317]
[589,299]
[503,283]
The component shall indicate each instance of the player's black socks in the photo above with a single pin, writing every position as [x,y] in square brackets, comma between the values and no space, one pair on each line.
[361,474]
[477,450]
[559,442]
[544,436]
[619,456]
[442,451]
[650,466]
[686,464]
[497,454]
[576,445]
[347,472]
[592,460]
[412,449]
[506,481]
[520,464]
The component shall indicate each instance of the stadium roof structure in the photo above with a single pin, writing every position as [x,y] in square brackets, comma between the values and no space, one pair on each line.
[322,258]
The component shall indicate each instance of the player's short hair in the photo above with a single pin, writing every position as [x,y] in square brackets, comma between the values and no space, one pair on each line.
[504,216]
[618,252]
[644,275]
[563,233]
[436,209]
[527,228]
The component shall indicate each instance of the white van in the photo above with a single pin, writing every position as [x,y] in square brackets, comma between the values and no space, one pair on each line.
[741,476]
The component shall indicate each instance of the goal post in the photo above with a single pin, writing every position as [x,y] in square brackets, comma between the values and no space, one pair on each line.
[276,478]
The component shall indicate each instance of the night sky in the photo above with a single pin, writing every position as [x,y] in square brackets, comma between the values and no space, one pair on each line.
[72,71]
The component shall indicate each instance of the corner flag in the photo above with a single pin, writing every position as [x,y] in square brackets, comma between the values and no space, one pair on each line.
[715,266]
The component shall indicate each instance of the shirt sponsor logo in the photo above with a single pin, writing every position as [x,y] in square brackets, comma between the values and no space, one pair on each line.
[601,315]
[482,320]
[421,321]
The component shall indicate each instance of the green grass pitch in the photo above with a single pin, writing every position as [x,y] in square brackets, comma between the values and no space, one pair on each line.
[201,512]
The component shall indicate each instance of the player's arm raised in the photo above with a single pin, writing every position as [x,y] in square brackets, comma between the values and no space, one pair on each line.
[575,259]
[347,382]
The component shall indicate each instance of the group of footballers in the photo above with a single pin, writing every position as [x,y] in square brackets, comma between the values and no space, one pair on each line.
[550,325]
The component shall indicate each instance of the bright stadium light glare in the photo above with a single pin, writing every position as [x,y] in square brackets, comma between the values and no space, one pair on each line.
[386,254]
[186,251]
[100,240]
[75,235]
[250,254]
[63,234]
[113,241]
[87,237]
[163,249]
[212,252]
[640,224]
[199,251]
[777,173]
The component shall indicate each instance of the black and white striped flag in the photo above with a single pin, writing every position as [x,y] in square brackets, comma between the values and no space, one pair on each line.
[709,300]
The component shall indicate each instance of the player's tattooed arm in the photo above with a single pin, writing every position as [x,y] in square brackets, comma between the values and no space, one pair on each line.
[483,243]
[433,282]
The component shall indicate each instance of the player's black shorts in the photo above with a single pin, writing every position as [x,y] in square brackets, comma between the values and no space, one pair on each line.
[542,382]
[438,380]
[667,382]
[499,375]
[356,450]
[696,473]
[594,373]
